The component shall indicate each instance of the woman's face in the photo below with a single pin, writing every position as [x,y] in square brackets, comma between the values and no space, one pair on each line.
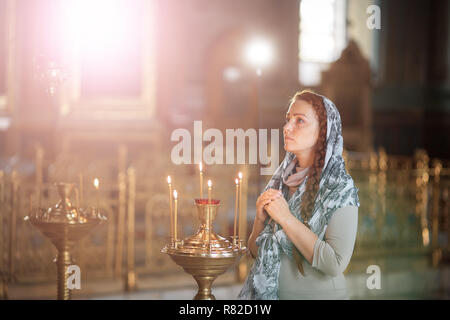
[301,130]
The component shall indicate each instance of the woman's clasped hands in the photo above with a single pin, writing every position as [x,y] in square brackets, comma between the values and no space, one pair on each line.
[272,203]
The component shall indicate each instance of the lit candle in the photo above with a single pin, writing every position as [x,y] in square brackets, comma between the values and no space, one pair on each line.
[209,191]
[39,195]
[236,208]
[39,199]
[96,185]
[240,203]
[175,196]
[209,213]
[169,181]
[77,197]
[80,175]
[201,180]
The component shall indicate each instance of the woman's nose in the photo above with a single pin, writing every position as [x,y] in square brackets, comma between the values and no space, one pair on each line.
[287,127]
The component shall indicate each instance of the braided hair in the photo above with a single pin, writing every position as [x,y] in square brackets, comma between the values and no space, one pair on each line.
[312,183]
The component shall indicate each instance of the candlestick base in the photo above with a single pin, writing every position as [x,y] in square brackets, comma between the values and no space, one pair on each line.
[235,240]
[64,225]
[205,255]
[204,265]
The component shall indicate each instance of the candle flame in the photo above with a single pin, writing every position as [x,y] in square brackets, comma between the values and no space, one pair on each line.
[200,166]
[209,183]
[169,180]
[240,175]
[237,181]
[96,183]
[175,194]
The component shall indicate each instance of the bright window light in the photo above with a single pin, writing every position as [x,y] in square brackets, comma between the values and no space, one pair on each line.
[322,37]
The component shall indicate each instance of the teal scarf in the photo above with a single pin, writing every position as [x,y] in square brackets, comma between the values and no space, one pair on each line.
[336,190]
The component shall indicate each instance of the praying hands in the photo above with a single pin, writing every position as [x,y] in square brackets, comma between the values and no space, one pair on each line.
[278,209]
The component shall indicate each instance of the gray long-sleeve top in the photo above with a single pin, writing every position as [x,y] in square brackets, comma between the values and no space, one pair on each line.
[323,278]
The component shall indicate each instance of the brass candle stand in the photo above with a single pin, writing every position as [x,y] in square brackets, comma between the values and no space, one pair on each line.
[64,224]
[205,255]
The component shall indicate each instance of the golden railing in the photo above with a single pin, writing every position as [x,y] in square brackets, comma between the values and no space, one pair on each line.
[404,210]
[404,202]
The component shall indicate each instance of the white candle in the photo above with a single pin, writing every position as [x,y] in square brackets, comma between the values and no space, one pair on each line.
[209,191]
[96,185]
[169,181]
[240,203]
[81,187]
[201,180]
[236,208]
[175,196]
[77,198]
[209,213]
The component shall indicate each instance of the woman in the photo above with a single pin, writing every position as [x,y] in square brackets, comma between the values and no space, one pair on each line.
[306,218]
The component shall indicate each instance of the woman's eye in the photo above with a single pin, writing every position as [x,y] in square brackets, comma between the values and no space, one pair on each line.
[299,120]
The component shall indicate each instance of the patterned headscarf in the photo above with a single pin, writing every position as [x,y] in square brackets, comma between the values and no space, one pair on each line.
[336,190]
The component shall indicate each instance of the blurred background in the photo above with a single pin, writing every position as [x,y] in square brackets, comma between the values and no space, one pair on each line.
[94,89]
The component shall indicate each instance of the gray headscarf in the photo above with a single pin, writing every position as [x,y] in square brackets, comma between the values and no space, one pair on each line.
[336,190]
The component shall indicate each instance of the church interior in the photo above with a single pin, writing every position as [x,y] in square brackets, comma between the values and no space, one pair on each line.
[94,96]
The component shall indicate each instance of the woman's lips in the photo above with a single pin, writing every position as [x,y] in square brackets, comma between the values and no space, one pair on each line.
[288,138]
